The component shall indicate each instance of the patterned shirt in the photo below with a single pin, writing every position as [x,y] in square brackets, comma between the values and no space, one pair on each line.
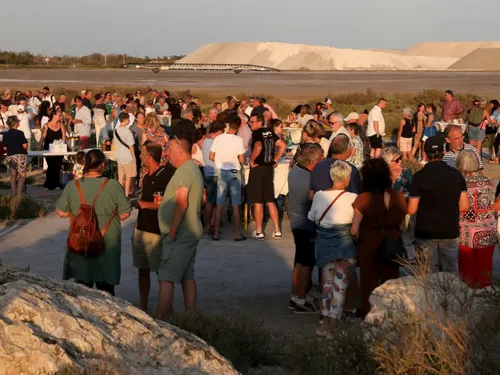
[358,157]
[478,226]
[403,182]
[451,110]
[450,157]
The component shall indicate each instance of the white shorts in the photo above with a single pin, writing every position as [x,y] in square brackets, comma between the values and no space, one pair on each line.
[405,144]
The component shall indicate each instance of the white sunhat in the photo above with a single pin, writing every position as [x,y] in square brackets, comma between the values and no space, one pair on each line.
[352,116]
[20,108]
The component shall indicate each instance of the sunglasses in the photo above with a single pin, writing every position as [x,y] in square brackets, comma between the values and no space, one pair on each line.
[177,139]
[397,160]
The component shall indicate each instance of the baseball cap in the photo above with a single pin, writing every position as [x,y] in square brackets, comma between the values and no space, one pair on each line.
[20,108]
[352,116]
[327,101]
[434,145]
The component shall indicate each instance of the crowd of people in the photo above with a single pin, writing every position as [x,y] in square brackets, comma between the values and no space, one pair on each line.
[349,193]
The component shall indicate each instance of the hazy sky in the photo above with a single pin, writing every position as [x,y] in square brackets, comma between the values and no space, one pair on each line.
[172,27]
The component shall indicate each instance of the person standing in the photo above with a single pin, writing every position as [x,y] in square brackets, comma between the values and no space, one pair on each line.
[181,228]
[454,144]
[303,229]
[479,119]
[111,207]
[452,108]
[419,119]
[405,134]
[260,187]
[245,133]
[24,119]
[100,114]
[4,114]
[228,153]
[147,239]
[50,133]
[376,128]
[16,146]
[82,122]
[125,154]
[86,99]
[438,194]
[47,96]
[33,101]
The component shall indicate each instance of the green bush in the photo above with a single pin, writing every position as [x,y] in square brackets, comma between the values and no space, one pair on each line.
[20,207]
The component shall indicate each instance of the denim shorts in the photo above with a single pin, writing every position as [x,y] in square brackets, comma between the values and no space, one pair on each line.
[211,182]
[476,133]
[229,180]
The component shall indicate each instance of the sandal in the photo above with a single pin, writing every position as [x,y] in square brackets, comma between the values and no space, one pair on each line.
[215,238]
[242,238]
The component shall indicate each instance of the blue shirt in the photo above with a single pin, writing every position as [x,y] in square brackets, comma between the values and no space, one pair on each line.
[320,177]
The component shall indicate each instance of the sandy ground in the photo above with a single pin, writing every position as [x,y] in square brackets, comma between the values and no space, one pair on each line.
[287,85]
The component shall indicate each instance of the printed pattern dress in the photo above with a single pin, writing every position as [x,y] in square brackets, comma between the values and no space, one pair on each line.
[156,135]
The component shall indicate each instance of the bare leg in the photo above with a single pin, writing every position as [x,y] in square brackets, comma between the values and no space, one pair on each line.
[189,292]
[165,300]
[378,151]
[295,279]
[20,183]
[259,216]
[13,181]
[479,146]
[304,281]
[144,287]
[273,212]
[236,220]
[128,182]
[209,209]
[121,178]
[218,218]
[372,153]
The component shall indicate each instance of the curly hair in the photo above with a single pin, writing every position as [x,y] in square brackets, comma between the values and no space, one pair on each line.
[376,175]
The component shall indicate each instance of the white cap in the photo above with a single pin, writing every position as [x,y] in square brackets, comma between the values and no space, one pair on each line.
[327,101]
[20,108]
[352,116]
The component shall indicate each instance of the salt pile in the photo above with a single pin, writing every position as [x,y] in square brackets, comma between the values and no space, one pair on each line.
[481,59]
[307,57]
[449,49]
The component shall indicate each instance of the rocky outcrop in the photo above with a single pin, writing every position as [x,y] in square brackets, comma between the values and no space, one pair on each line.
[48,326]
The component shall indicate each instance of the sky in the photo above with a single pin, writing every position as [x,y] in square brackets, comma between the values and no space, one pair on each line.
[178,27]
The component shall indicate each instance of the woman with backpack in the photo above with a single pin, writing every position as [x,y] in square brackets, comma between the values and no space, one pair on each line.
[479,119]
[94,251]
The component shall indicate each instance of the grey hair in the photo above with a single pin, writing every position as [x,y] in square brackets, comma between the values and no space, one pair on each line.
[483,101]
[339,144]
[407,111]
[243,117]
[339,116]
[186,112]
[310,154]
[340,171]
[467,162]
[389,153]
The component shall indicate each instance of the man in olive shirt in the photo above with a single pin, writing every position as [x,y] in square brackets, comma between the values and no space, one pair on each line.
[180,225]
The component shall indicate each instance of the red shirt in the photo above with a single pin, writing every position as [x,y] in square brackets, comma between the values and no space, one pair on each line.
[451,110]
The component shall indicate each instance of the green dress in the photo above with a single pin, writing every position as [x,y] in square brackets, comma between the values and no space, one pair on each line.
[107,266]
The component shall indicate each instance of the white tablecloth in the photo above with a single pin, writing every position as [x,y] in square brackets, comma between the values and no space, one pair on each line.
[109,154]
[280,177]
[441,126]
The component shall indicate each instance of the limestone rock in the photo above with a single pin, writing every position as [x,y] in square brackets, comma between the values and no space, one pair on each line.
[48,326]
[437,296]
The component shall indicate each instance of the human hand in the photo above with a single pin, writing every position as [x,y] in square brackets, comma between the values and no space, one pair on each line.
[253,165]
[171,235]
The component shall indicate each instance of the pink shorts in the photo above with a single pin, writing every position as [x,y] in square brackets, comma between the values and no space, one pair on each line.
[405,144]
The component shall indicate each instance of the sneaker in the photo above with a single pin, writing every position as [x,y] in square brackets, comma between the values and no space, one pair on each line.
[321,320]
[305,309]
[277,235]
[292,305]
[258,236]
[352,317]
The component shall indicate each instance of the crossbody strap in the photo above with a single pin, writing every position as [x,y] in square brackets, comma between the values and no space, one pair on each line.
[330,206]
[120,140]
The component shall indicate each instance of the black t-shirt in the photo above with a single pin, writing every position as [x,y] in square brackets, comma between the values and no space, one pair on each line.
[175,111]
[258,110]
[268,140]
[14,140]
[147,220]
[438,188]
[61,105]
[321,180]
[87,103]
[103,107]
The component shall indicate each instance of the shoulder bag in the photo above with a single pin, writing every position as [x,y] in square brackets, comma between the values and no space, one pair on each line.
[121,140]
[389,251]
[330,206]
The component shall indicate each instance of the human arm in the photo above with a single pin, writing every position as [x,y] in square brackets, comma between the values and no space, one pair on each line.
[463,203]
[281,148]
[212,156]
[257,148]
[496,205]
[356,223]
[375,128]
[270,109]
[181,205]
[400,131]
[25,146]
[44,134]
[149,205]
[241,158]
[413,205]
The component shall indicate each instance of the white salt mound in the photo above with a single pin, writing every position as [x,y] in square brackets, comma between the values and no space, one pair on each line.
[449,49]
[480,59]
[307,57]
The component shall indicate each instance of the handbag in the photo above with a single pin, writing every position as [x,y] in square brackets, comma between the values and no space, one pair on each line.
[389,251]
[330,206]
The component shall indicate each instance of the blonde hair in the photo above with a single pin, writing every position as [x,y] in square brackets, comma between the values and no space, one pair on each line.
[389,153]
[340,171]
[313,129]
[467,162]
[152,120]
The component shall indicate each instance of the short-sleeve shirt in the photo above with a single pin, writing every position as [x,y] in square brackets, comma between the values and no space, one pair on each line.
[161,108]
[299,203]
[268,139]
[187,175]
[227,148]
[147,220]
[438,188]
[321,180]
[375,115]
[14,140]
[123,154]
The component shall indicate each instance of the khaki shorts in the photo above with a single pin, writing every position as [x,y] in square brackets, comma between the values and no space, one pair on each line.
[127,170]
[177,260]
[146,250]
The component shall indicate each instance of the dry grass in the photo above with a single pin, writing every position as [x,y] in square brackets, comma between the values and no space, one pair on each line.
[24,207]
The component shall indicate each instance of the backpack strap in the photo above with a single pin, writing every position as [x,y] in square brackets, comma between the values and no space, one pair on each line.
[106,227]
[103,185]
[80,192]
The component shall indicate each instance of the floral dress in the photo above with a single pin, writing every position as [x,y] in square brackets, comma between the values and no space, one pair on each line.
[156,135]
[358,157]
[478,226]
[403,182]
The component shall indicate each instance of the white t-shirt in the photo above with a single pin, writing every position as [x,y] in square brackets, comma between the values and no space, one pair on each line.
[375,115]
[49,98]
[227,147]
[3,119]
[45,119]
[303,120]
[198,154]
[340,213]
[24,125]
[210,169]
[342,130]
[83,128]
[122,153]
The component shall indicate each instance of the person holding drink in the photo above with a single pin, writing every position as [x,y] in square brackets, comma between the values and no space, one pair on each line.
[147,239]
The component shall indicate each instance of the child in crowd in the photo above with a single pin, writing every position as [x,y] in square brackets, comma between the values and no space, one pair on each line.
[125,153]
[79,165]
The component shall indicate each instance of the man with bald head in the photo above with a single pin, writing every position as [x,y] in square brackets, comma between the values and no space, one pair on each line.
[180,225]
[454,144]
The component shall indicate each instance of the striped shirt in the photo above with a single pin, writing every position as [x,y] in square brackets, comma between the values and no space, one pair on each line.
[450,157]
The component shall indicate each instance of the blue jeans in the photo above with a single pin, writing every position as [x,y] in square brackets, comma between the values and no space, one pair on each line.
[229,180]
[443,254]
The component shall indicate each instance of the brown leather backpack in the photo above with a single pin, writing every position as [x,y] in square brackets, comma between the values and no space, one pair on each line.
[84,237]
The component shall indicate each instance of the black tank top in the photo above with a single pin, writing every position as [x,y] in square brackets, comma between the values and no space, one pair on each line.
[407,129]
[51,137]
